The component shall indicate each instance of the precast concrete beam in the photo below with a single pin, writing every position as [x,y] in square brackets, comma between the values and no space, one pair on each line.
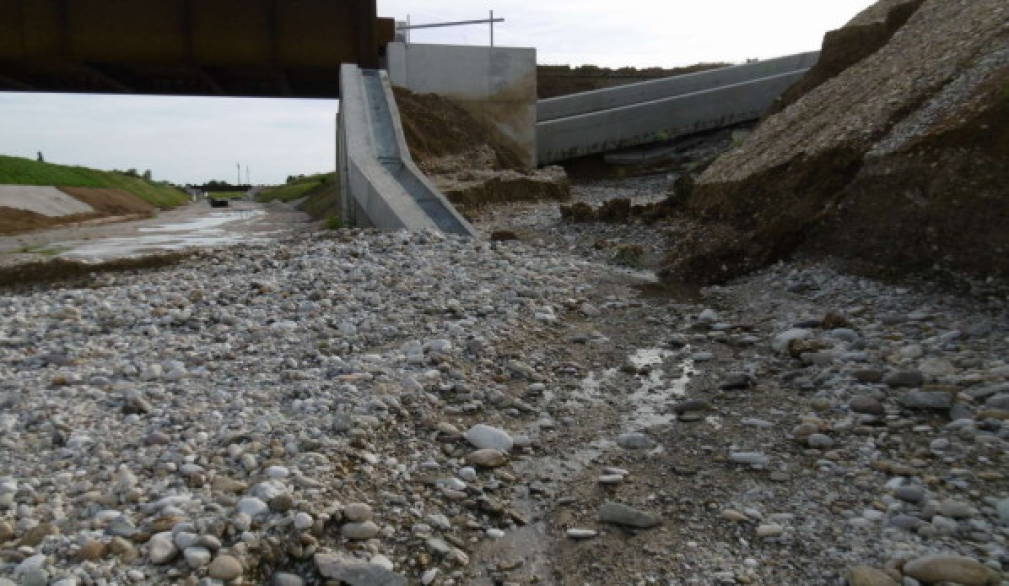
[658,120]
[646,91]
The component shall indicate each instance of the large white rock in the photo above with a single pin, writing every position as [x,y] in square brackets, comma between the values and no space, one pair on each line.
[484,436]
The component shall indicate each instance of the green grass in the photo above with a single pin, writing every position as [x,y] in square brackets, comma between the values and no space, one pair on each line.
[300,188]
[333,223]
[19,171]
[320,193]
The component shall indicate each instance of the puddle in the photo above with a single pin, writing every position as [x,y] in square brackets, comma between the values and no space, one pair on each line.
[652,397]
[530,545]
[205,231]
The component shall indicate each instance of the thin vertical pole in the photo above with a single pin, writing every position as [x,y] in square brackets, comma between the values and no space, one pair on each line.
[491,28]
[407,29]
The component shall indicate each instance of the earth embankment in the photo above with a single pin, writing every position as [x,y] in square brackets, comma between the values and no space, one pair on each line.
[896,162]
[471,163]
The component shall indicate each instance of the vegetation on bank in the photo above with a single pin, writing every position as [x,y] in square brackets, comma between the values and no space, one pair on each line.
[319,191]
[298,187]
[20,171]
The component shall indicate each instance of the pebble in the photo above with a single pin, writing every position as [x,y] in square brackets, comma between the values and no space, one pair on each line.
[358,512]
[733,515]
[769,530]
[252,506]
[484,436]
[621,514]
[225,567]
[354,572]
[948,568]
[359,530]
[487,458]
[869,576]
[819,441]
[162,548]
[196,557]
[866,404]
[936,400]
[575,533]
[635,441]
[755,459]
[910,493]
[287,579]
[904,378]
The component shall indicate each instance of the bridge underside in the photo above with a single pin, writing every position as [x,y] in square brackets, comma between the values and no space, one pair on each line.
[254,48]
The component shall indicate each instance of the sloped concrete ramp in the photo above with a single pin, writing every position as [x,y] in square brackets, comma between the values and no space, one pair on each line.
[380,186]
[46,201]
[654,111]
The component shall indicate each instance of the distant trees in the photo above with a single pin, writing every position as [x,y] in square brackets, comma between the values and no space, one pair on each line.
[147,175]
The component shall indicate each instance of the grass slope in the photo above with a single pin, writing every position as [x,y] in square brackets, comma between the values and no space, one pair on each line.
[19,171]
[320,192]
[298,189]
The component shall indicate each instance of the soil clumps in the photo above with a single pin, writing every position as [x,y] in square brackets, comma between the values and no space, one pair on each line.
[470,162]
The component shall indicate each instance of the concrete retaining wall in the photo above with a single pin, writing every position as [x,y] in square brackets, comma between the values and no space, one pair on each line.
[380,186]
[495,84]
[655,111]
[47,201]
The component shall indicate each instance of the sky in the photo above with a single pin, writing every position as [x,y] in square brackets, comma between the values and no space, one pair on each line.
[193,140]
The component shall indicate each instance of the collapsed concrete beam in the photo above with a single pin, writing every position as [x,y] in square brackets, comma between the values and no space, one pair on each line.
[380,186]
[655,111]
[668,87]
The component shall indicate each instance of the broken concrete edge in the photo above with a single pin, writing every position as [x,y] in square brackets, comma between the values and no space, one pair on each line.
[659,120]
[646,91]
[370,195]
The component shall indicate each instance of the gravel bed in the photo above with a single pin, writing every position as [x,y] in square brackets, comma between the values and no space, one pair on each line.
[371,408]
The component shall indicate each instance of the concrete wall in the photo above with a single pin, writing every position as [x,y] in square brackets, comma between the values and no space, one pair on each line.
[46,201]
[380,186]
[495,84]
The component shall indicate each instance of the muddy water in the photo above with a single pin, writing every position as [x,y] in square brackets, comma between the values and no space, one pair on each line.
[218,228]
[668,373]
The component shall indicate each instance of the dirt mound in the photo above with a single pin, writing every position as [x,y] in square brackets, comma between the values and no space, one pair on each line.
[898,161]
[470,162]
[13,220]
[110,202]
[437,127]
[864,35]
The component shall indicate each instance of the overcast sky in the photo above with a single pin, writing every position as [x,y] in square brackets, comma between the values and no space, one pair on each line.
[197,139]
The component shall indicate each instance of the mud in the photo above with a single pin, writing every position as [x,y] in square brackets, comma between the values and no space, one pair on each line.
[192,226]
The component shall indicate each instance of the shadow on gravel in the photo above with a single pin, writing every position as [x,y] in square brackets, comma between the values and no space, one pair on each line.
[67,273]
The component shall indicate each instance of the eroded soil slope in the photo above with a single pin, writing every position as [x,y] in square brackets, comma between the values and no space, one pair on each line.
[897,162]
